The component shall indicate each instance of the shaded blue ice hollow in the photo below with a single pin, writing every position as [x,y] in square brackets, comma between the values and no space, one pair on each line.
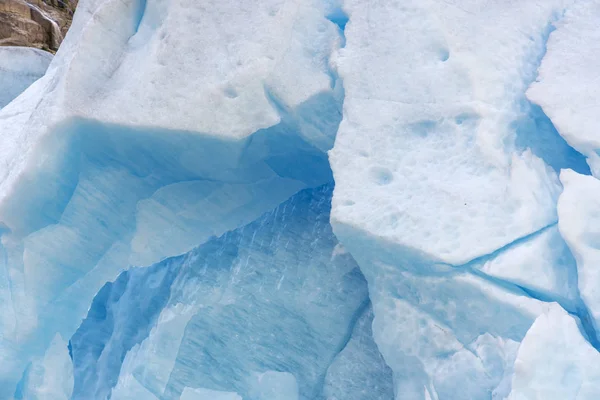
[535,131]
[292,307]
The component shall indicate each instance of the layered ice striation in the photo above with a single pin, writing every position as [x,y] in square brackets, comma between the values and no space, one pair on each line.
[170,227]
[19,68]
[271,310]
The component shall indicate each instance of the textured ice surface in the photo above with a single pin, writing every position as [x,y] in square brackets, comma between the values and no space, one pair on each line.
[50,377]
[359,371]
[567,86]
[19,68]
[272,310]
[555,362]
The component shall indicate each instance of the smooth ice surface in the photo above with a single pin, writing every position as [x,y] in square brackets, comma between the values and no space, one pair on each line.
[567,86]
[555,362]
[269,311]
[19,68]
[578,223]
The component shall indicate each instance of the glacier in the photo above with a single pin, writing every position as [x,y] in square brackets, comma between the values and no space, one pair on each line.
[302,200]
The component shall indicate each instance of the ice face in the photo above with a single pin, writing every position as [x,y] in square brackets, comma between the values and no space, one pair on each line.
[19,68]
[243,313]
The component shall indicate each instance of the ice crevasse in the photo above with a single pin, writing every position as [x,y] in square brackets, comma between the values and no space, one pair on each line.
[303,199]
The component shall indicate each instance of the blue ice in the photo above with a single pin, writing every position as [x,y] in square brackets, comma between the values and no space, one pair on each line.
[276,306]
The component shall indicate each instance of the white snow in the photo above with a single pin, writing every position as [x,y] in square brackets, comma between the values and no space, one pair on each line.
[435,171]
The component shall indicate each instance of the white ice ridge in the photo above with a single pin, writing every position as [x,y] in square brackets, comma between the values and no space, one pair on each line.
[158,125]
[555,362]
[567,86]
[19,68]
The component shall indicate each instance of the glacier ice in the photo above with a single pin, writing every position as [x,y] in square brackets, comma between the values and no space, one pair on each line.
[555,361]
[82,196]
[49,377]
[578,221]
[19,68]
[170,225]
[243,313]
[566,87]
[445,194]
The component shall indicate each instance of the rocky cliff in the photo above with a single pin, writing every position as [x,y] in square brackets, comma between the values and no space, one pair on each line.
[35,23]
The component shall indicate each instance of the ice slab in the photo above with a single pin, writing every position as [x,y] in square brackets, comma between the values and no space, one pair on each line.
[206,394]
[566,87]
[19,68]
[437,170]
[555,362]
